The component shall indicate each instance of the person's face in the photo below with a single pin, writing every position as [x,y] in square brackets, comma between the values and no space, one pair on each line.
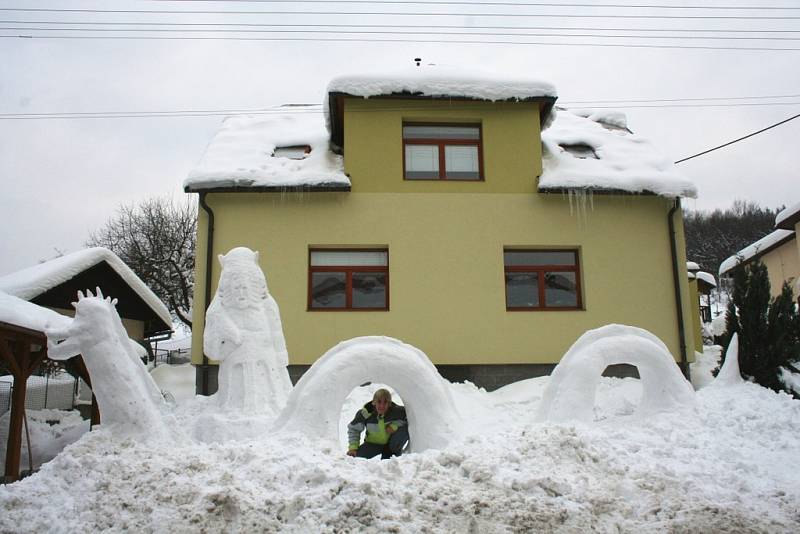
[381,405]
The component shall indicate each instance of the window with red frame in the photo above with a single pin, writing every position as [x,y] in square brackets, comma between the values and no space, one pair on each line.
[348,279]
[542,280]
[442,152]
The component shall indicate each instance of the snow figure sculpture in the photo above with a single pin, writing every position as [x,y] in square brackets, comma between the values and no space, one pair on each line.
[571,391]
[130,403]
[315,404]
[243,331]
[729,374]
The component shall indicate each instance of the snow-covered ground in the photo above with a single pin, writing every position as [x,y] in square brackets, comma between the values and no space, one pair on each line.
[726,464]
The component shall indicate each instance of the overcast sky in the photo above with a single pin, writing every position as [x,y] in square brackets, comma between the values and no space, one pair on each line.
[62,178]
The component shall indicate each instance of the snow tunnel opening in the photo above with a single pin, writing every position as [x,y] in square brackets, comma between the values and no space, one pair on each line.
[618,392]
[356,399]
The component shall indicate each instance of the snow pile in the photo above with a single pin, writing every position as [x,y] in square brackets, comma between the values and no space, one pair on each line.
[50,431]
[242,154]
[721,467]
[790,379]
[315,403]
[788,216]
[29,283]
[609,157]
[761,246]
[19,312]
[570,394]
[729,374]
[129,401]
[703,366]
[244,332]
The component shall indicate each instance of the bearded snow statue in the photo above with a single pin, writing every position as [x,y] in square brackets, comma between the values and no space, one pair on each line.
[244,333]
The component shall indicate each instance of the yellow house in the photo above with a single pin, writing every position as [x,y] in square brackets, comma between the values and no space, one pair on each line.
[466,216]
[778,251]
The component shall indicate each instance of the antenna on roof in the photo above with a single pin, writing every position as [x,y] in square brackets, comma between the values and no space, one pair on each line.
[418,60]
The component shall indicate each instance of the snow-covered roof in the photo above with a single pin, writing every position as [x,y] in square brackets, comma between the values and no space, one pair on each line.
[762,246]
[29,283]
[692,266]
[708,278]
[442,81]
[788,217]
[241,153]
[19,312]
[595,151]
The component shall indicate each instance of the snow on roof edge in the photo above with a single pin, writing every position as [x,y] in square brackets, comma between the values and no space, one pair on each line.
[20,312]
[788,216]
[31,282]
[762,246]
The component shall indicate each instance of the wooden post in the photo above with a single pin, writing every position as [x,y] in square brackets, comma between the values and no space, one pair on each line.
[14,444]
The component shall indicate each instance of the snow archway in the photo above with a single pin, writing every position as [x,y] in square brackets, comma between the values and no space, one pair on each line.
[570,394]
[315,403]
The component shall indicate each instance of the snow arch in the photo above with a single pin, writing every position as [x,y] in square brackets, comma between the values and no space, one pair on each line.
[570,394]
[314,405]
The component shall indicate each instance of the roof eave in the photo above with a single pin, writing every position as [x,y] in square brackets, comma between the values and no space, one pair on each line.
[601,191]
[303,188]
[789,222]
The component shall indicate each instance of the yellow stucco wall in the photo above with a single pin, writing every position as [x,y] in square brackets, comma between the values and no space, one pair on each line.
[697,321]
[446,268]
[446,278]
[783,263]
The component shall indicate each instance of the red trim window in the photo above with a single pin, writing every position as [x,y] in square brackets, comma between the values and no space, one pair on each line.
[542,280]
[442,152]
[354,279]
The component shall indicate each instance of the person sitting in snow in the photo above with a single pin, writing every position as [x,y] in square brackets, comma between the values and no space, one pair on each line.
[386,425]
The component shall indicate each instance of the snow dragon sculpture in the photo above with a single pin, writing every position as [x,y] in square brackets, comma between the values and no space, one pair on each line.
[130,402]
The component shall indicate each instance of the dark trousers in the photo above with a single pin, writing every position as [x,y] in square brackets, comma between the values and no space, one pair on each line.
[395,446]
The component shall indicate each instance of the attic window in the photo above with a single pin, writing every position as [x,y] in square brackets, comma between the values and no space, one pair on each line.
[292,152]
[580,151]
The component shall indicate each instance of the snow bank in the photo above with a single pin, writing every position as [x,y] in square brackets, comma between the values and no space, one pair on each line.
[315,403]
[177,380]
[610,158]
[759,247]
[50,432]
[570,394]
[241,153]
[29,283]
[19,312]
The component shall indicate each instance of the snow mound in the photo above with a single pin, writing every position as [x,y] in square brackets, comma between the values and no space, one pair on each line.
[242,154]
[611,158]
[570,394]
[729,374]
[314,406]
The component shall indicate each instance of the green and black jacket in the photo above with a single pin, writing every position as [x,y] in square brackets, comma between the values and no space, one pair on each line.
[367,417]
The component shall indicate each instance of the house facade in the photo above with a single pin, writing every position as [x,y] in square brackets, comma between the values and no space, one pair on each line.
[433,210]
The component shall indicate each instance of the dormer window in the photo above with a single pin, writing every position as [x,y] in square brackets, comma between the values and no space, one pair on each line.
[442,152]
[292,152]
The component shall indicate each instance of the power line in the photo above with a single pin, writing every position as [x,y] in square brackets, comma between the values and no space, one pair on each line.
[317,109]
[484,3]
[373,40]
[652,100]
[395,26]
[386,32]
[396,13]
[739,139]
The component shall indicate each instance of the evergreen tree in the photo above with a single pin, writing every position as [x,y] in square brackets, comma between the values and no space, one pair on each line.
[769,337]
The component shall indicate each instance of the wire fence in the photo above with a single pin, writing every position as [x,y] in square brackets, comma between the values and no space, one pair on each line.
[43,392]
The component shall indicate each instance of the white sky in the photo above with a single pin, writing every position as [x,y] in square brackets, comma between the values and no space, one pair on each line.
[62,178]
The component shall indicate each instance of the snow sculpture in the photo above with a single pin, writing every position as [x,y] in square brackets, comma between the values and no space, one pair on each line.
[243,331]
[315,404]
[130,403]
[729,374]
[570,393]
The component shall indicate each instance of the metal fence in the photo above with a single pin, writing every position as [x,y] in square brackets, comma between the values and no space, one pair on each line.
[55,392]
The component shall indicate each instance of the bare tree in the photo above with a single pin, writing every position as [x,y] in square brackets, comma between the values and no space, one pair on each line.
[156,238]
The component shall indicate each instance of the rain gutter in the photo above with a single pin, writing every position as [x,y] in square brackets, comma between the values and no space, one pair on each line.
[677,284]
[207,300]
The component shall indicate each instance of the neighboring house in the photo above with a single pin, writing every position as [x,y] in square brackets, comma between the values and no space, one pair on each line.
[779,252]
[700,285]
[465,216]
[55,284]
